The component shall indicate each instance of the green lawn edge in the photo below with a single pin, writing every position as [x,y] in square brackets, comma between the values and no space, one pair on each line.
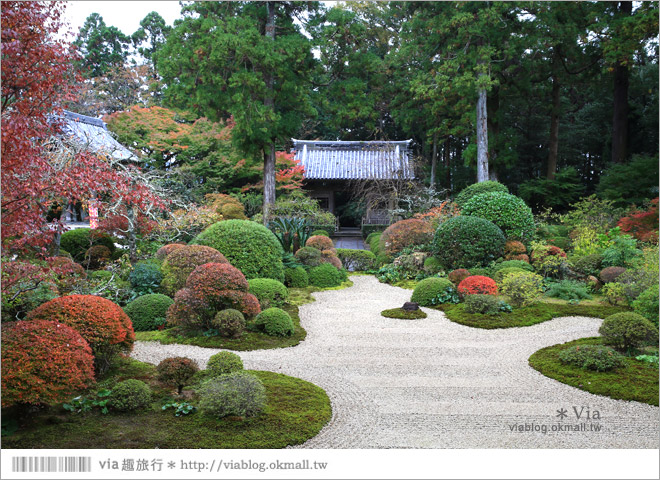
[638,381]
[402,314]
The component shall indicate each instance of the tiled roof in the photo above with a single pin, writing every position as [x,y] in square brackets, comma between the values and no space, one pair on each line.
[92,134]
[341,160]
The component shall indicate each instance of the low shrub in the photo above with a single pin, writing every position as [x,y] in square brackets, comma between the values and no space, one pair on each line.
[485,304]
[309,256]
[319,232]
[503,272]
[627,330]
[466,242]
[79,240]
[43,362]
[635,282]
[402,314]
[568,290]
[233,211]
[224,363]
[182,261]
[129,395]
[621,251]
[330,256]
[592,357]
[588,264]
[432,265]
[275,322]
[176,371]
[521,264]
[510,213]
[614,293]
[646,304]
[269,292]
[477,285]
[165,250]
[96,257]
[434,291]
[523,288]
[148,312]
[320,242]
[513,248]
[458,275]
[404,234]
[477,189]
[239,394]
[325,276]
[145,277]
[229,323]
[356,260]
[296,277]
[610,274]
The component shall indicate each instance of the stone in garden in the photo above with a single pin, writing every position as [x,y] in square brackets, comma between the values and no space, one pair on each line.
[410,306]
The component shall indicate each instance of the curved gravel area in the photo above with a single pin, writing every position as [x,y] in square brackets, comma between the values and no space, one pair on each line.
[433,383]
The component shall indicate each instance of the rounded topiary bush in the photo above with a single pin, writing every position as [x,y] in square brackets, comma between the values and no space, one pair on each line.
[224,363]
[513,248]
[458,275]
[79,240]
[211,279]
[248,246]
[296,277]
[464,242]
[520,264]
[233,211]
[229,323]
[432,265]
[627,330]
[319,232]
[176,371]
[330,256]
[102,323]
[507,211]
[165,250]
[470,191]
[646,304]
[405,233]
[182,261]
[269,292]
[592,357]
[239,394]
[483,304]
[477,285]
[145,277]
[610,274]
[524,288]
[325,276]
[43,362]
[148,312]
[96,257]
[130,395]
[320,242]
[309,256]
[275,322]
[434,291]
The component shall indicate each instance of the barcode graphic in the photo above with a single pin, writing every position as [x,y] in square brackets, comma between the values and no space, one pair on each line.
[51,464]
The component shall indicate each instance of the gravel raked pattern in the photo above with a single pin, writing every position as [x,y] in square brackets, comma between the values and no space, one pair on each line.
[432,383]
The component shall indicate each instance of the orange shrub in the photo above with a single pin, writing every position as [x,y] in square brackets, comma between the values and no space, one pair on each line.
[320,242]
[165,250]
[405,233]
[512,248]
[180,262]
[477,284]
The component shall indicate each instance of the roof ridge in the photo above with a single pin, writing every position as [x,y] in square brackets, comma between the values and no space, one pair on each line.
[79,117]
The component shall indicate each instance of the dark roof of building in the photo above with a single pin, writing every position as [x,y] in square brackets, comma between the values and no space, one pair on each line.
[92,133]
[354,160]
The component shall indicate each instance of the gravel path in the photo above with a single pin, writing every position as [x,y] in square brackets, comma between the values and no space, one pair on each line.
[433,383]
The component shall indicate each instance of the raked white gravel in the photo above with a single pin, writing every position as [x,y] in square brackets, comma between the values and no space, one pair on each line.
[433,383]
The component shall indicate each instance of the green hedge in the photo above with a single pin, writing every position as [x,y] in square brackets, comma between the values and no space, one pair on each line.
[477,189]
[296,277]
[369,229]
[79,240]
[325,275]
[508,212]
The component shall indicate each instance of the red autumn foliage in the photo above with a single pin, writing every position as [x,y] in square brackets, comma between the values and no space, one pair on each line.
[477,284]
[66,271]
[514,247]
[102,323]
[642,224]
[436,215]
[523,257]
[43,362]
[180,262]
[176,371]
[289,174]
[330,256]
[406,233]
[320,242]
[117,224]
[458,275]
[546,251]
[165,250]
[211,278]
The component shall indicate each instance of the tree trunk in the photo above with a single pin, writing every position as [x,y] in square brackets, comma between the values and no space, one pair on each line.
[131,234]
[554,130]
[447,155]
[434,159]
[492,108]
[269,102]
[482,137]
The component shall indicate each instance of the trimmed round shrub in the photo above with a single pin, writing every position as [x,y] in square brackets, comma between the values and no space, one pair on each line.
[507,211]
[190,311]
[232,211]
[269,292]
[320,242]
[224,363]
[145,277]
[96,256]
[646,304]
[627,330]
[329,256]
[592,357]
[148,312]
[182,261]
[405,233]
[432,265]
[239,394]
[483,304]
[79,240]
[464,242]
[309,256]
[589,264]
[433,291]
[229,323]
[102,323]
[458,275]
[212,279]
[610,274]
[477,285]
[165,250]
[176,371]
[319,232]
[524,288]
[43,362]
[503,272]
[325,276]
[477,189]
[275,322]
[129,395]
[296,277]
[248,246]
[513,248]
[522,265]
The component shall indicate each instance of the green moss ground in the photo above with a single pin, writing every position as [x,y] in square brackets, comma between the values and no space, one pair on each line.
[526,316]
[403,314]
[296,411]
[637,381]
